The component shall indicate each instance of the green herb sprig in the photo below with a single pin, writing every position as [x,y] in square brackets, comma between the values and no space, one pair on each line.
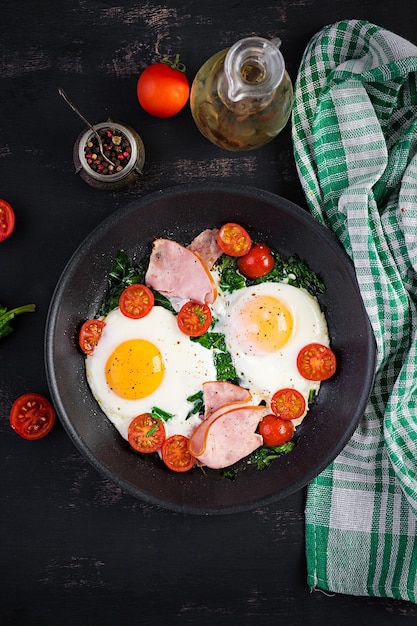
[7,316]
[158,415]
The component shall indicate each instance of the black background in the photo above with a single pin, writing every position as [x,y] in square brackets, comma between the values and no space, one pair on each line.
[74,548]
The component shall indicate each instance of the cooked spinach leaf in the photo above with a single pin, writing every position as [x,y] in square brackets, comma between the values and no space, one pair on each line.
[230,278]
[198,404]
[229,472]
[124,272]
[211,340]
[225,369]
[263,456]
[293,271]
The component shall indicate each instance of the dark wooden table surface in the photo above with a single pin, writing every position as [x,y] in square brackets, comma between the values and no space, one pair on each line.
[74,548]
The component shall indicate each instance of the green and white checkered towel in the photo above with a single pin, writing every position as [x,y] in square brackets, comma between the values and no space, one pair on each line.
[355,140]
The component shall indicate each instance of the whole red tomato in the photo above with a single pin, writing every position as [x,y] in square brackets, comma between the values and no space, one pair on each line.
[163,89]
[257,262]
[275,431]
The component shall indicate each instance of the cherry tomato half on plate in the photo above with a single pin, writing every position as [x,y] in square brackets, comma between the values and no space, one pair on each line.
[233,239]
[32,416]
[162,90]
[194,319]
[316,362]
[7,220]
[288,404]
[175,454]
[257,262]
[146,434]
[90,334]
[275,431]
[136,301]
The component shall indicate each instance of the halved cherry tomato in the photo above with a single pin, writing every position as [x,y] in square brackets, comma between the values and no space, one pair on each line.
[288,404]
[257,262]
[146,434]
[194,319]
[316,362]
[175,454]
[7,220]
[233,239]
[90,334]
[275,431]
[163,90]
[32,416]
[136,301]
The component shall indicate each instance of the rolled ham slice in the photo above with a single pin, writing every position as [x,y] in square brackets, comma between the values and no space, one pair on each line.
[205,246]
[228,436]
[219,396]
[177,272]
[198,440]
[219,393]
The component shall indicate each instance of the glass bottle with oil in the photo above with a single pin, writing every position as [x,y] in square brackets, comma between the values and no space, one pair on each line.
[241,98]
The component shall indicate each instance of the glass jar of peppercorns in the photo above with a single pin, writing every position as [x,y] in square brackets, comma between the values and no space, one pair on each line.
[120,161]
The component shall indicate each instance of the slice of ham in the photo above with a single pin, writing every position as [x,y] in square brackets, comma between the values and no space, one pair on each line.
[230,436]
[219,393]
[177,272]
[205,246]
[218,396]
[198,440]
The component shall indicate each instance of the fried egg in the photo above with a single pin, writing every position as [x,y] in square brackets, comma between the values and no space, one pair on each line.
[147,362]
[265,327]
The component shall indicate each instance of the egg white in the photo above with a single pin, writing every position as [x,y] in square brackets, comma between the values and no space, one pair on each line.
[187,366]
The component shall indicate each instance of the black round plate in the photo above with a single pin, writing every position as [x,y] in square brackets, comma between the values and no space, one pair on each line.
[181,213]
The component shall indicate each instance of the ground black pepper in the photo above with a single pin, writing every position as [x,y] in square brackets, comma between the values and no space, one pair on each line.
[116,147]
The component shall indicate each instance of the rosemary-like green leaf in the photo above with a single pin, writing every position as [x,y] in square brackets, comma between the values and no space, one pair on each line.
[7,316]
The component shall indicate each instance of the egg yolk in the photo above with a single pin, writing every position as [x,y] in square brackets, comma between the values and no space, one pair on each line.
[135,369]
[264,324]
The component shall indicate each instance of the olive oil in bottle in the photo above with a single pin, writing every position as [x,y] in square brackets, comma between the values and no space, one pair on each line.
[241,98]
